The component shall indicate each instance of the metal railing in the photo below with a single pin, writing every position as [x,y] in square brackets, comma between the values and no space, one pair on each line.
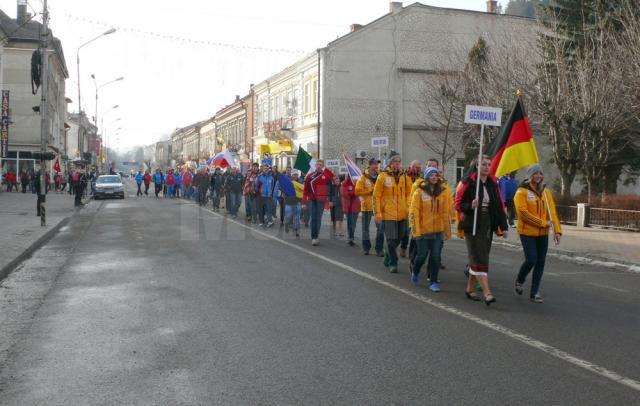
[617,219]
[567,214]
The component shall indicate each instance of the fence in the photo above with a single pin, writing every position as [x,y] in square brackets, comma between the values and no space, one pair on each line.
[628,220]
[568,214]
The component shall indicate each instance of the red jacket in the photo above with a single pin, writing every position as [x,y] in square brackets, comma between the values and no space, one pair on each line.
[146,179]
[170,180]
[10,178]
[350,202]
[318,186]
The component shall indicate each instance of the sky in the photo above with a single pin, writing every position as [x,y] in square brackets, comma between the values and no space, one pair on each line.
[184,60]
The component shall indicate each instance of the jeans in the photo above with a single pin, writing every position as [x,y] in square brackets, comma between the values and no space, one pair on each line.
[405,239]
[367,216]
[292,215]
[265,210]
[169,191]
[250,207]
[352,220]
[146,189]
[306,214]
[234,202]
[215,197]
[428,247]
[158,189]
[316,211]
[394,232]
[535,253]
[139,192]
[186,191]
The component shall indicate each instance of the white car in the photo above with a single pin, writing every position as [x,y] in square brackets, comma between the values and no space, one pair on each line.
[109,186]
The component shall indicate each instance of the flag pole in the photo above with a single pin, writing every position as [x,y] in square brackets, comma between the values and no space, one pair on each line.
[546,201]
[478,165]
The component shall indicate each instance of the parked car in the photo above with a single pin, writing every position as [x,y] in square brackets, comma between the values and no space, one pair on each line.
[109,186]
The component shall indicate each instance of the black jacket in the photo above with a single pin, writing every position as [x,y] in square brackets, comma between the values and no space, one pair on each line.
[496,205]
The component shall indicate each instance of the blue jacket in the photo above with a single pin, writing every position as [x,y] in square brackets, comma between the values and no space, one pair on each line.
[265,185]
[157,178]
[508,187]
[139,178]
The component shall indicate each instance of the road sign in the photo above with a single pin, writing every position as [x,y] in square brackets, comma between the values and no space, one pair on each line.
[483,115]
[332,163]
[266,155]
[379,142]
[267,162]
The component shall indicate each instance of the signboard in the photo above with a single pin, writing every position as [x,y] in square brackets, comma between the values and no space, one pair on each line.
[343,170]
[4,129]
[266,155]
[483,115]
[266,162]
[332,163]
[379,142]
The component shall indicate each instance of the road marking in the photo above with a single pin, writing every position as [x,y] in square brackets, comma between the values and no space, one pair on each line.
[531,342]
[607,287]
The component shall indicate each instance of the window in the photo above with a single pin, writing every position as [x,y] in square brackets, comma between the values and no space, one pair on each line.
[314,103]
[459,170]
[307,98]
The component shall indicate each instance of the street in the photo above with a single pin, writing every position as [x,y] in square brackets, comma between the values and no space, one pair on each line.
[157,301]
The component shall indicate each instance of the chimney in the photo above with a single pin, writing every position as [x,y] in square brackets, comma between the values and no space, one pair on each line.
[492,6]
[22,16]
[237,97]
[395,6]
[355,27]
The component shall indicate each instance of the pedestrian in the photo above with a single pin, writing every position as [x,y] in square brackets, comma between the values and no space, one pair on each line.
[415,174]
[291,190]
[281,202]
[139,179]
[234,185]
[24,180]
[186,184]
[203,182]
[265,186]
[158,180]
[429,212]
[536,215]
[249,192]
[178,183]
[81,184]
[491,219]
[146,179]
[170,183]
[364,189]
[318,189]
[217,188]
[391,196]
[433,163]
[350,206]
[508,188]
[10,179]
[223,190]
[337,214]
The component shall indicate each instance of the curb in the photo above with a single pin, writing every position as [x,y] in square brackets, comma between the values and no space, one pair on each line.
[11,266]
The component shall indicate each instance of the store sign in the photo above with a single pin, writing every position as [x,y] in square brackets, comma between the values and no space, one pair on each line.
[4,129]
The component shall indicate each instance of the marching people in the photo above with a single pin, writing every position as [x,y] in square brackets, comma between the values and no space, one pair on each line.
[147,181]
[391,195]
[364,190]
[249,191]
[265,187]
[508,187]
[491,219]
[233,185]
[169,183]
[157,181]
[537,215]
[337,214]
[139,179]
[186,184]
[318,190]
[178,183]
[433,163]
[290,189]
[415,173]
[24,180]
[429,224]
[202,181]
[351,207]
[217,188]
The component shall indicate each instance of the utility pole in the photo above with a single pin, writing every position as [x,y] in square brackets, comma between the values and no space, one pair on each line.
[44,122]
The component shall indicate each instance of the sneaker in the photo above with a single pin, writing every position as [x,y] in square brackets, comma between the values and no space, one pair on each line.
[518,288]
[386,261]
[415,279]
[270,224]
[434,287]
[536,299]
[351,243]
[380,254]
[403,252]
[297,234]
[393,269]
[365,252]
[261,225]
[314,242]
[443,267]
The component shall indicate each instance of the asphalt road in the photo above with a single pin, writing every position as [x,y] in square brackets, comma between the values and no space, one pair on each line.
[148,301]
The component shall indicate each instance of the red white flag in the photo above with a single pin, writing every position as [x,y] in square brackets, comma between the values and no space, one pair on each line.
[56,165]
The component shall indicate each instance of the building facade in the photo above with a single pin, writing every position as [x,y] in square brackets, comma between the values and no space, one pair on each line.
[231,128]
[162,154]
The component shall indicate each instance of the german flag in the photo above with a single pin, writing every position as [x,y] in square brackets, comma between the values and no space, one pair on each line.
[514,148]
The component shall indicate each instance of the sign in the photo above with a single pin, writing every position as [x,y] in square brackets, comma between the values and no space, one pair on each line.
[266,162]
[332,163]
[379,142]
[343,170]
[483,115]
[266,156]
[4,129]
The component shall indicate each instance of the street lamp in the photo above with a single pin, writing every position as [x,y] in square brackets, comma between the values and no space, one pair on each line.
[108,32]
[104,133]
[95,117]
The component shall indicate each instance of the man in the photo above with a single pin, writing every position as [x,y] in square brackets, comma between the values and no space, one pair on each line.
[139,179]
[80,187]
[224,192]
[318,189]
[291,190]
[508,188]
[391,197]
[249,191]
[415,173]
[265,186]
[364,190]
[24,180]
[186,184]
[202,182]
[158,179]
[217,188]
[233,185]
[147,181]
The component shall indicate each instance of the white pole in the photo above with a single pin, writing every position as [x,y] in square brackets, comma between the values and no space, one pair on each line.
[546,200]
[475,213]
[379,153]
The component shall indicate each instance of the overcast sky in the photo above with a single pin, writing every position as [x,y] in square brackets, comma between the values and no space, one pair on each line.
[184,60]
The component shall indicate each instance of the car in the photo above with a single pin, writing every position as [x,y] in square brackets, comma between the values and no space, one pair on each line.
[109,186]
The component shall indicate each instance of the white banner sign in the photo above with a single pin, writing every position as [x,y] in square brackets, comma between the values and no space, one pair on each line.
[483,115]
[332,163]
[379,142]
[343,170]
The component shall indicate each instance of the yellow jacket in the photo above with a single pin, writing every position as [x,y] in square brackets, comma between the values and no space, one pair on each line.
[364,190]
[533,214]
[391,198]
[430,214]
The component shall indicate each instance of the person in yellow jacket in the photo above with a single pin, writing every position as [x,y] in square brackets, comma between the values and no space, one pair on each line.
[364,190]
[429,222]
[390,207]
[536,216]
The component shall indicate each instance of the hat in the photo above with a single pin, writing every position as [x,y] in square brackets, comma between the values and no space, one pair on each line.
[393,155]
[428,172]
[533,169]
[296,172]
[373,161]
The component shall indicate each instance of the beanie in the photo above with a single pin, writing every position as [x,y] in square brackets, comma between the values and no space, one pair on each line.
[533,169]
[428,172]
[393,155]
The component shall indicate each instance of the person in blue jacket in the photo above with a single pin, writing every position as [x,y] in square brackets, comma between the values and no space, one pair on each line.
[158,179]
[139,179]
[265,186]
[508,188]
[176,189]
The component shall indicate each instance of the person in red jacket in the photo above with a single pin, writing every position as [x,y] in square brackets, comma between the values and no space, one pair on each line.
[351,207]
[318,189]
[10,178]
[147,181]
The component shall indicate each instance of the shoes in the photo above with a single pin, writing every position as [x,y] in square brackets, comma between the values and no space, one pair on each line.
[488,299]
[380,254]
[536,299]
[351,243]
[297,234]
[270,224]
[415,279]
[472,296]
[365,252]
[442,266]
[314,242]
[403,252]
[393,269]
[261,225]
[386,261]
[286,228]
[518,288]
[434,287]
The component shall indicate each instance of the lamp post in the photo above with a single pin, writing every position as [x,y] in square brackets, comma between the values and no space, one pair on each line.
[105,133]
[98,87]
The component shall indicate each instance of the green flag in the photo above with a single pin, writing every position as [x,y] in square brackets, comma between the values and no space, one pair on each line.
[303,161]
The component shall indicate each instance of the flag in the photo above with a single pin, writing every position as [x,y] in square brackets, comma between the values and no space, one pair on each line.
[354,172]
[514,148]
[286,186]
[56,165]
[303,161]
[222,159]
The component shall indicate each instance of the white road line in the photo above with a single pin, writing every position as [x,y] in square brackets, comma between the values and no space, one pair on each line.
[562,355]
[607,287]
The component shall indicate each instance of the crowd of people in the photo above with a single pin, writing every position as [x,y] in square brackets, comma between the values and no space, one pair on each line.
[413,210]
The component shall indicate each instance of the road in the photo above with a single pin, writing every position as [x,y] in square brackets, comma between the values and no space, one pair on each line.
[158,302]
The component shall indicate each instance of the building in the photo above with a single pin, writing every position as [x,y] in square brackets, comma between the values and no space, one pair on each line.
[19,38]
[82,141]
[232,128]
[163,154]
[206,142]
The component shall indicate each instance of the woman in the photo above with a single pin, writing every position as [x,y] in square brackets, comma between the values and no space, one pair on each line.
[533,204]
[351,207]
[429,224]
[337,214]
[491,219]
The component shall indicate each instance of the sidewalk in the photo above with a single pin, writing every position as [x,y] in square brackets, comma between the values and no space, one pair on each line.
[20,230]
